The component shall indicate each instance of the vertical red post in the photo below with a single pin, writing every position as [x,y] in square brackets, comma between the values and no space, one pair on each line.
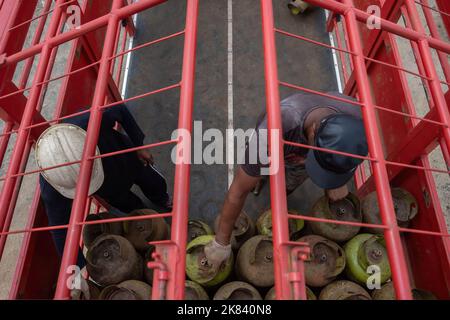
[36,38]
[392,235]
[33,99]
[79,203]
[430,69]
[175,285]
[277,180]
[435,34]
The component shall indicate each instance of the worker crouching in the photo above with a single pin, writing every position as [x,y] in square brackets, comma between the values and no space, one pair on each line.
[112,177]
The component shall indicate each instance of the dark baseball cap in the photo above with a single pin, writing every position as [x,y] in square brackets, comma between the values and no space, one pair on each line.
[340,132]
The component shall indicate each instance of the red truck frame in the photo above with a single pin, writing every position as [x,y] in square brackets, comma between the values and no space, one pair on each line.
[399,140]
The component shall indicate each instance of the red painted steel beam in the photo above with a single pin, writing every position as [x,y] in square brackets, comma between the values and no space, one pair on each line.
[375,38]
[362,16]
[444,5]
[76,33]
[175,285]
[89,42]
[420,139]
[13,200]
[118,74]
[25,279]
[79,203]
[435,34]
[13,109]
[36,38]
[420,183]
[13,13]
[277,180]
[392,235]
[25,75]
[6,12]
[130,27]
[86,50]
[82,223]
[42,276]
[389,9]
[81,194]
[30,280]
[27,118]
[430,69]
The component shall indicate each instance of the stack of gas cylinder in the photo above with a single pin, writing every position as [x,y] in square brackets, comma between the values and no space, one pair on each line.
[346,262]
[116,256]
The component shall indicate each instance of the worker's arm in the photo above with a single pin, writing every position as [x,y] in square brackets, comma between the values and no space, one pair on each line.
[241,186]
[220,249]
[122,115]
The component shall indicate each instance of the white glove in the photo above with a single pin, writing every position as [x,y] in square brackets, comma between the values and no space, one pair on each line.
[216,254]
[82,292]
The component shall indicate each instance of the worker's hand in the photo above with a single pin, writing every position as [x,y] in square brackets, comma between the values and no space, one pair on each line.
[145,156]
[216,254]
[337,194]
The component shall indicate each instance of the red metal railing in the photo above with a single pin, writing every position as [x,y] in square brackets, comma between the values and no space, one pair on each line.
[419,255]
[105,89]
[360,81]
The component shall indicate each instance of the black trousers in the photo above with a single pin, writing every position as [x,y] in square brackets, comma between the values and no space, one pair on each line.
[153,186]
[58,208]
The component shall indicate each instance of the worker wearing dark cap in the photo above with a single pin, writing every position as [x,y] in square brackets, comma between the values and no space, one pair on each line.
[306,119]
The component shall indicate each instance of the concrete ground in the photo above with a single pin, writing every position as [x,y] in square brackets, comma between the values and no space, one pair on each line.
[158,114]
[298,62]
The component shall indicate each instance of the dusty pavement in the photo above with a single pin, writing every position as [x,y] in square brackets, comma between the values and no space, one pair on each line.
[209,183]
[158,114]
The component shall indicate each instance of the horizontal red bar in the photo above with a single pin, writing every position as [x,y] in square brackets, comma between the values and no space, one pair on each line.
[293,86]
[352,53]
[386,25]
[41,15]
[95,63]
[307,146]
[173,86]
[85,28]
[366,225]
[65,226]
[347,223]
[432,9]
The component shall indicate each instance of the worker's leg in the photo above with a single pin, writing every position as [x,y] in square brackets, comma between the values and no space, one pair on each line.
[127,202]
[154,186]
[295,176]
[59,239]
[59,218]
[58,209]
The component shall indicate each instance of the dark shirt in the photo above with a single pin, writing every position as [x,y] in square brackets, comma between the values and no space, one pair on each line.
[294,111]
[120,171]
